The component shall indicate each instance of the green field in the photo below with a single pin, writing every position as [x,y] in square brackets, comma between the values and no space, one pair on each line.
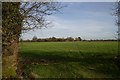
[69,59]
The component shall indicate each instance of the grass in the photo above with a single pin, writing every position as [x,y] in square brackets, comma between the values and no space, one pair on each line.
[70,59]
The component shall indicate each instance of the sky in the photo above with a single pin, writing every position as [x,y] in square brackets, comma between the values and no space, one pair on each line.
[70,0]
[88,20]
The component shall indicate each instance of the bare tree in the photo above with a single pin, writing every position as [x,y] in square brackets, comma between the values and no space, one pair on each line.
[117,14]
[34,14]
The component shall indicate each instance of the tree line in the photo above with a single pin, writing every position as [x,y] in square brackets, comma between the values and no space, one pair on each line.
[69,39]
[52,39]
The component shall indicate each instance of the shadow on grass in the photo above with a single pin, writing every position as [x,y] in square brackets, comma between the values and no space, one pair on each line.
[89,58]
[96,62]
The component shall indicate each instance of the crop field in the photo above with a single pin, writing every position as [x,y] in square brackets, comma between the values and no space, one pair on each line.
[69,59]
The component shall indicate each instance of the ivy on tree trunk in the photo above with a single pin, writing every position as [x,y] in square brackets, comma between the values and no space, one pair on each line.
[11,29]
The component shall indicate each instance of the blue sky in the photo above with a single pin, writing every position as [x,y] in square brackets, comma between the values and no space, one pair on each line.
[89,20]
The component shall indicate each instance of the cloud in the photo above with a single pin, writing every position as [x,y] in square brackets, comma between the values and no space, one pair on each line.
[83,25]
[88,29]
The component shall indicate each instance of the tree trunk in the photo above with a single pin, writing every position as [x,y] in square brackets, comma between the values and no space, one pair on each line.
[9,66]
[11,29]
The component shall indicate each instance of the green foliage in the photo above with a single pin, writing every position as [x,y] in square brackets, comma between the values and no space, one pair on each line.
[11,21]
[70,59]
[9,69]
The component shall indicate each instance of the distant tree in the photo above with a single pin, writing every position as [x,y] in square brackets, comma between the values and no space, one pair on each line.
[70,39]
[53,39]
[39,40]
[34,39]
[60,39]
[78,39]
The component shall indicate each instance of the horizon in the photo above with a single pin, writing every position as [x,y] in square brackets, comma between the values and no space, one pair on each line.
[66,38]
